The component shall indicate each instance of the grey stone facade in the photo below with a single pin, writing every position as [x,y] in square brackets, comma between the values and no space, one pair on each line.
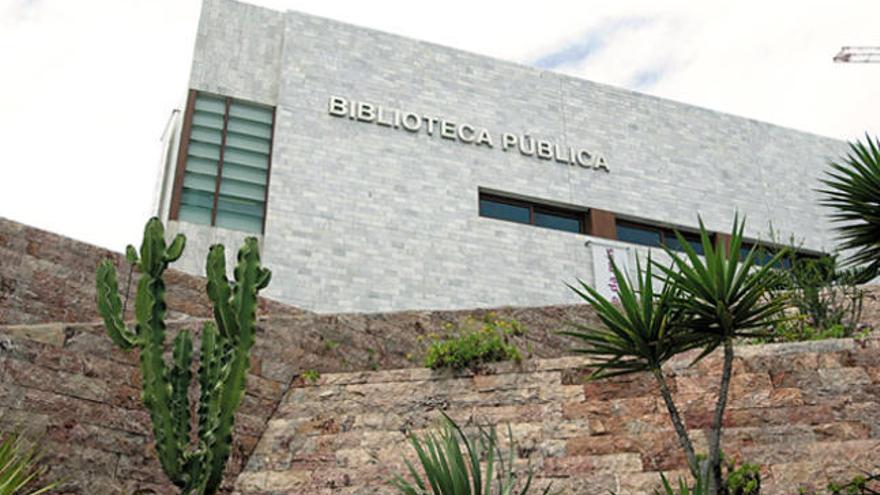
[363,217]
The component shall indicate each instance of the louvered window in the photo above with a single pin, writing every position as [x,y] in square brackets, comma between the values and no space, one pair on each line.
[226,167]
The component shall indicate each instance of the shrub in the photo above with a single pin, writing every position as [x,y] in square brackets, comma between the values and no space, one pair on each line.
[742,480]
[474,343]
[827,301]
[867,484]
[479,468]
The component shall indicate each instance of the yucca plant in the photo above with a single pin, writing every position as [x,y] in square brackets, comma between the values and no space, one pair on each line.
[479,468]
[644,331]
[852,189]
[20,467]
[724,297]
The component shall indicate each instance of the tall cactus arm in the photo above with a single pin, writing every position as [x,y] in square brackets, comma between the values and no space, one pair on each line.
[110,306]
[219,290]
[180,376]
[213,369]
[156,395]
[263,278]
[153,248]
[211,361]
[248,277]
[244,303]
[175,249]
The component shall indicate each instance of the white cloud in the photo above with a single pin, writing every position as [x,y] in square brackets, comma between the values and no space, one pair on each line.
[89,85]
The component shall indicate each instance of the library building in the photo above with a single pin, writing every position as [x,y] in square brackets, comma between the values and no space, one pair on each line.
[385,173]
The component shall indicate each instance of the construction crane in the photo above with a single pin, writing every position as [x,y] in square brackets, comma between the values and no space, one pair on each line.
[858,55]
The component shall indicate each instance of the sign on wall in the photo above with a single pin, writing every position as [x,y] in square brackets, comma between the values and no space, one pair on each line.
[361,111]
[604,279]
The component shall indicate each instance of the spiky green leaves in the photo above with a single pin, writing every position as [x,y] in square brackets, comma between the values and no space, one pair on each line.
[479,468]
[639,334]
[852,189]
[22,467]
[724,296]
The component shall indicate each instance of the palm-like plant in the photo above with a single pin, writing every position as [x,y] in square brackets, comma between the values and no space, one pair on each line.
[640,334]
[449,470]
[852,188]
[703,303]
[20,467]
[724,297]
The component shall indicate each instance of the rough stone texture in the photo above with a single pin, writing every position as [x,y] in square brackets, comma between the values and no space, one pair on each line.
[70,384]
[363,217]
[807,412]
[45,277]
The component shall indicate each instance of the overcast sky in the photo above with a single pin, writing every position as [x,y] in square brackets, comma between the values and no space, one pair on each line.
[87,86]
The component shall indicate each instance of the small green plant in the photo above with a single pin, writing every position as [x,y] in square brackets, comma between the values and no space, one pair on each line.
[224,358]
[478,469]
[867,484]
[330,345]
[700,487]
[744,479]
[311,376]
[474,343]
[21,467]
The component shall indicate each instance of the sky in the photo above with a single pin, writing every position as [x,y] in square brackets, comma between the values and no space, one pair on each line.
[87,86]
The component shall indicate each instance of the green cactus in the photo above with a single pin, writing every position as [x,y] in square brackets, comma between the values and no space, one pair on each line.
[224,355]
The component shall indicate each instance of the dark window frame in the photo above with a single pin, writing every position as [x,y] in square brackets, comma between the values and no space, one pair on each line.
[664,232]
[533,206]
[183,152]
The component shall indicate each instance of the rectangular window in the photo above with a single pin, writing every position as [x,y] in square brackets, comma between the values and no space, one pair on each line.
[225,163]
[527,212]
[656,236]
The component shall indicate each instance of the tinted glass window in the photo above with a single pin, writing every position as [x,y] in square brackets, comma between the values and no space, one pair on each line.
[673,244]
[638,235]
[504,211]
[556,221]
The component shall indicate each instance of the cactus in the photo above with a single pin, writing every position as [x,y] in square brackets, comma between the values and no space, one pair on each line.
[224,355]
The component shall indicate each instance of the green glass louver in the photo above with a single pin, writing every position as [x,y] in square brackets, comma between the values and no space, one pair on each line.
[227,164]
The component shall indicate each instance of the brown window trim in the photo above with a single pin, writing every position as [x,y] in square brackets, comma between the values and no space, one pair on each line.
[183,152]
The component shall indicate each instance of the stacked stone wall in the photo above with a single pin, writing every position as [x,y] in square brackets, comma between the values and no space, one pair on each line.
[808,413]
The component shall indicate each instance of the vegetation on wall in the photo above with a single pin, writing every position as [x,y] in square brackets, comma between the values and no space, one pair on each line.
[702,302]
[224,358]
[824,300]
[452,463]
[474,343]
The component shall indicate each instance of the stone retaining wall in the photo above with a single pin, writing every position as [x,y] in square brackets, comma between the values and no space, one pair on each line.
[69,384]
[807,412]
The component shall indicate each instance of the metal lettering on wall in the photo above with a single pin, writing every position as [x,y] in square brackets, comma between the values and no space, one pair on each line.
[465,133]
